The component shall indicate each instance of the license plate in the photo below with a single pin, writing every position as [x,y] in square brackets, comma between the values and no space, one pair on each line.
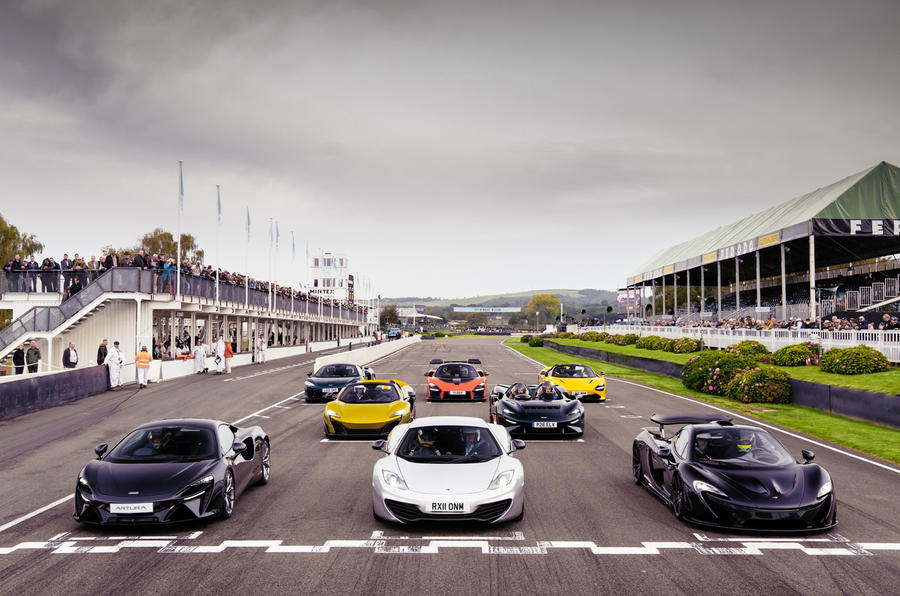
[333,390]
[447,507]
[131,507]
[456,392]
[544,424]
[579,393]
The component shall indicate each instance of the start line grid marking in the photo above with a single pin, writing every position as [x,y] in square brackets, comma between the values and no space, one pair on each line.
[379,543]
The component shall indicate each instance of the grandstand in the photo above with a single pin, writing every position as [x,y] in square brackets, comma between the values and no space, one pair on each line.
[833,250]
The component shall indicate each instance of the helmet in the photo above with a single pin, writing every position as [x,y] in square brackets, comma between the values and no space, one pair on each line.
[359,391]
[701,442]
[469,432]
[157,439]
[426,437]
[546,391]
[746,440]
[519,389]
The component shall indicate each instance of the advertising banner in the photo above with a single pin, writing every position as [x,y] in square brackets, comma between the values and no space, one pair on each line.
[856,227]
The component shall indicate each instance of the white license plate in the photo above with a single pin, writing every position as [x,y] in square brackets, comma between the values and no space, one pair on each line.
[332,390]
[456,392]
[447,507]
[579,393]
[131,507]
[544,424]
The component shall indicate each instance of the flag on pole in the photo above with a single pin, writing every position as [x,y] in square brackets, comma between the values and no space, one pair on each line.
[277,235]
[180,188]
[219,204]
[270,232]
[248,223]
[293,246]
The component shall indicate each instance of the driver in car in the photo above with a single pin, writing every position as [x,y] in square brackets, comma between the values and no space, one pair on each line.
[472,443]
[746,443]
[425,444]
[701,448]
[519,391]
[155,445]
[359,392]
[546,392]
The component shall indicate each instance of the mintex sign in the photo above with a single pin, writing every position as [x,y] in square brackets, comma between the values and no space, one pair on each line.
[856,227]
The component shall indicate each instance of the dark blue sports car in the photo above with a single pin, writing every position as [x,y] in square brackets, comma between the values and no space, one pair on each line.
[536,410]
[325,384]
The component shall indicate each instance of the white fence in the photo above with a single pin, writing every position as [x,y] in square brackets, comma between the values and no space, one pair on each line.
[886,342]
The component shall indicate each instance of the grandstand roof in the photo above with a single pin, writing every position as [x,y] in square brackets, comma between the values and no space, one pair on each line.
[873,193]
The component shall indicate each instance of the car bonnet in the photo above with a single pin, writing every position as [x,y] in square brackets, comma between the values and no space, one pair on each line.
[448,479]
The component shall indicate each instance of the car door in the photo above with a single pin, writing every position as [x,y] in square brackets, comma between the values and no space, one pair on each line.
[241,463]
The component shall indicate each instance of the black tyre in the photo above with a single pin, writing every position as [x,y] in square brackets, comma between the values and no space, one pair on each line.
[226,499]
[679,498]
[637,469]
[265,460]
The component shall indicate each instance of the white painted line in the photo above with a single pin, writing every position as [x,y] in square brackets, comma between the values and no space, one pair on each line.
[763,424]
[275,405]
[27,516]
[630,416]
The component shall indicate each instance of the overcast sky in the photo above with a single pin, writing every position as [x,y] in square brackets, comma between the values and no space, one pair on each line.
[450,148]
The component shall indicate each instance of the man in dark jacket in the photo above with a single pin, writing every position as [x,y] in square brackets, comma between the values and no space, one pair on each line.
[54,275]
[33,357]
[19,359]
[139,260]
[70,356]
[101,353]
[66,266]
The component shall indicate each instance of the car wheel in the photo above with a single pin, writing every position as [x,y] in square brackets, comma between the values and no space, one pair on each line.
[679,498]
[637,469]
[265,459]
[226,500]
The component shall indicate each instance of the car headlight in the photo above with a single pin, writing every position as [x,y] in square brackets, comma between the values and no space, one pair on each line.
[826,488]
[502,480]
[706,487]
[480,387]
[310,385]
[83,484]
[196,489]
[393,480]
[397,414]
[331,413]
[432,386]
[576,412]
[600,387]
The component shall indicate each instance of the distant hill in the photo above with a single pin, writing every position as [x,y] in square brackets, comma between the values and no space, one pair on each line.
[568,297]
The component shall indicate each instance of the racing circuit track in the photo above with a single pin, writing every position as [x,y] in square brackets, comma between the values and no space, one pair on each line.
[587,529]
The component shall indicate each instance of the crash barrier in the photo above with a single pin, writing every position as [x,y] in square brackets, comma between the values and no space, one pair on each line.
[670,369]
[886,342]
[880,408]
[30,394]
[367,355]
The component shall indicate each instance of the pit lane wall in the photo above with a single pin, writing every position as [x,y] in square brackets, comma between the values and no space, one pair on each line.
[364,356]
[879,408]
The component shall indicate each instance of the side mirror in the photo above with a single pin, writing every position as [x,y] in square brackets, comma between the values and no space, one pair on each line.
[238,447]
[411,393]
[665,452]
[518,444]
[379,445]
[101,449]
[483,374]
[427,373]
[807,455]
[309,374]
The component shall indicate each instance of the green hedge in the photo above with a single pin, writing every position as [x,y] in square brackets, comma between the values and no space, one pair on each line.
[525,339]
[760,385]
[683,345]
[748,347]
[536,342]
[796,355]
[858,360]
[710,372]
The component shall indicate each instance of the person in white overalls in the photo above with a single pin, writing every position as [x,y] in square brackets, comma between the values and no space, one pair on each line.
[115,361]
[200,358]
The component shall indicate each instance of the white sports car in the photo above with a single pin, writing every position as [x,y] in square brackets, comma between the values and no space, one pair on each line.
[450,468]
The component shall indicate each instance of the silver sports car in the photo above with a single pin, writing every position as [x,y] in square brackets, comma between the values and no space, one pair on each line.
[450,468]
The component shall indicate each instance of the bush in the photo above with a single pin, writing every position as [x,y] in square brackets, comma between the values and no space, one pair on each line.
[684,345]
[748,347]
[859,360]
[760,385]
[667,344]
[710,372]
[629,339]
[439,334]
[525,339]
[536,342]
[590,336]
[649,342]
[602,336]
[795,355]
[612,339]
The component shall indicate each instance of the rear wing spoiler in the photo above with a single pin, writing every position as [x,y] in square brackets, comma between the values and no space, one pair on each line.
[668,419]
[474,361]
[435,361]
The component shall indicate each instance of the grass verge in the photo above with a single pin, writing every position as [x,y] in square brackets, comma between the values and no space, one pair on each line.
[883,382]
[864,437]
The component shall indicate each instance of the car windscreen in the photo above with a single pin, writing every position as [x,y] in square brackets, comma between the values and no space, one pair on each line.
[336,371]
[165,443]
[450,444]
[573,371]
[739,447]
[369,393]
[456,371]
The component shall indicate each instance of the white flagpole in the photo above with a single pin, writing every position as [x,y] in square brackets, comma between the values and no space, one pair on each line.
[218,225]
[246,274]
[178,249]
[270,264]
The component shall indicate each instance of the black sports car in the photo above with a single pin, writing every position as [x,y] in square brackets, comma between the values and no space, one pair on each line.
[523,413]
[172,471]
[327,382]
[714,473]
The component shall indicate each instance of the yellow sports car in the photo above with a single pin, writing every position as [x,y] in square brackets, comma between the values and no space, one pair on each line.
[579,380]
[370,409]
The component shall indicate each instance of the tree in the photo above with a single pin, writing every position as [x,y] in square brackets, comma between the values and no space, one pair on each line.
[162,242]
[13,241]
[516,318]
[388,316]
[546,305]
[477,319]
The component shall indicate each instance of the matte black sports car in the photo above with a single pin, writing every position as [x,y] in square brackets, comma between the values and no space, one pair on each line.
[172,471]
[327,382]
[714,473]
[518,408]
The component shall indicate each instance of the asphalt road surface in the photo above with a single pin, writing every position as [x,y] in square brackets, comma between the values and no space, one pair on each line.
[587,528]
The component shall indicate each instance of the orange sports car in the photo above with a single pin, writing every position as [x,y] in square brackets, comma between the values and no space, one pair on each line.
[456,380]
